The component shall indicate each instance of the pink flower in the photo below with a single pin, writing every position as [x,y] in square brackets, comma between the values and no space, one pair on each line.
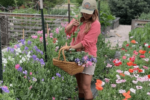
[122,91]
[124,57]
[123,80]
[49,29]
[56,48]
[148,93]
[53,98]
[113,85]
[139,87]
[83,65]
[89,63]
[107,80]
[145,67]
[17,66]
[142,56]
[135,82]
[109,65]
[135,52]
[57,30]
[146,59]
[30,87]
[15,46]
[25,76]
[85,57]
[34,36]
[119,71]
[40,32]
[41,38]
[118,81]
[68,37]
[5,87]
[51,35]
[30,73]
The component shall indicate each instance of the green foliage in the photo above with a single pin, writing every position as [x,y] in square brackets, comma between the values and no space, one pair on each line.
[128,9]
[144,16]
[7,3]
[141,35]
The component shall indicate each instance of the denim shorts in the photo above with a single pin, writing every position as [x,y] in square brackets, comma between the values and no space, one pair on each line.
[89,70]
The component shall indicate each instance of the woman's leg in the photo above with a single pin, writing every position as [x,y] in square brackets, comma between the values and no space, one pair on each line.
[80,90]
[86,86]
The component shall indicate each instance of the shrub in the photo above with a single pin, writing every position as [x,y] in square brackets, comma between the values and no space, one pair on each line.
[128,9]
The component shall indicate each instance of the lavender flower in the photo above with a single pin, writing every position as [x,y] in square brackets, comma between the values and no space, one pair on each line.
[8,49]
[1,82]
[42,62]
[5,89]
[41,52]
[57,74]
[53,78]
[25,72]
[29,42]
[12,50]
[20,69]
[42,79]
[77,60]
[22,41]
[26,48]
[34,57]
[18,46]
[34,79]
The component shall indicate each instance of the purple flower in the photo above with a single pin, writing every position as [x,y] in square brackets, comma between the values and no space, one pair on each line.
[77,60]
[29,42]
[26,48]
[8,48]
[20,69]
[42,62]
[25,72]
[35,47]
[42,79]
[5,89]
[1,82]
[57,74]
[34,57]
[53,78]
[18,46]
[41,52]
[12,50]
[22,41]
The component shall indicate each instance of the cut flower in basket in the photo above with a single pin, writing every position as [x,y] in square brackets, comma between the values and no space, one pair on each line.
[81,58]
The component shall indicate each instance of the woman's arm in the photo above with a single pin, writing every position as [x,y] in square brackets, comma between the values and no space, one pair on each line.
[77,46]
[69,28]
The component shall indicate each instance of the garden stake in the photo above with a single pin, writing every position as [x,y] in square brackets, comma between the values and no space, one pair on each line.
[23,33]
[42,16]
[99,9]
[1,68]
[47,30]
[68,11]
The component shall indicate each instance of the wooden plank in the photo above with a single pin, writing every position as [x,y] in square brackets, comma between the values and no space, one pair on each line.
[34,15]
[32,20]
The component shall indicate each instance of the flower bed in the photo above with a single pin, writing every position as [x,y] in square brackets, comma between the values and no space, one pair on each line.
[129,76]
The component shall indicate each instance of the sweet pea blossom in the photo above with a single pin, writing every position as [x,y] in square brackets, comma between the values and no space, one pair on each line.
[135,81]
[145,67]
[124,57]
[148,93]
[139,87]
[146,59]
[107,80]
[109,65]
[119,71]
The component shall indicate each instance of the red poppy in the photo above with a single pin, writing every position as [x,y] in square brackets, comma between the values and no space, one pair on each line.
[127,45]
[130,63]
[134,64]
[131,70]
[142,51]
[142,56]
[117,62]
[149,76]
[140,70]
[54,40]
[149,46]
[133,41]
[132,59]
[122,48]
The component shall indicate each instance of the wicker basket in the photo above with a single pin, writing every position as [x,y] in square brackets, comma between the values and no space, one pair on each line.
[70,67]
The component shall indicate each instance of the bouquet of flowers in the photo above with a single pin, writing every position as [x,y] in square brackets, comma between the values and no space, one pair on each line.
[81,58]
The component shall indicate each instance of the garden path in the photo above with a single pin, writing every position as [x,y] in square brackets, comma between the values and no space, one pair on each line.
[118,35]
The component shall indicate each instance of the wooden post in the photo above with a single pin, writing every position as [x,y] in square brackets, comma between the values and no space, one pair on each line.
[68,11]
[23,33]
[47,30]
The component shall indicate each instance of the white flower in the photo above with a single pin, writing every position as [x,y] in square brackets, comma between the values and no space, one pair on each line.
[20,61]
[18,50]
[4,60]
[11,85]
[127,73]
[127,54]
[139,87]
[131,37]
[118,77]
[133,90]
[135,82]
[133,45]
[146,44]
[143,71]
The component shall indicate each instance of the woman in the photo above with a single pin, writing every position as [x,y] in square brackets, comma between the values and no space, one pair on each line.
[86,40]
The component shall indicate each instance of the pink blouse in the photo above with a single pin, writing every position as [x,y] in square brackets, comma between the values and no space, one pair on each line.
[88,40]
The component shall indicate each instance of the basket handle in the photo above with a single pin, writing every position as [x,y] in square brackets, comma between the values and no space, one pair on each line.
[62,49]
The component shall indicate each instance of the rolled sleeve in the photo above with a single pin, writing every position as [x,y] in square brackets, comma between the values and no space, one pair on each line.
[73,29]
[91,37]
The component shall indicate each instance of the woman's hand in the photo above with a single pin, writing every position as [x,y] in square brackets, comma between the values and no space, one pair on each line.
[75,23]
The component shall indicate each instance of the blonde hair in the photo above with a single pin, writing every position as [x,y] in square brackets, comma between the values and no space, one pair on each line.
[90,21]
